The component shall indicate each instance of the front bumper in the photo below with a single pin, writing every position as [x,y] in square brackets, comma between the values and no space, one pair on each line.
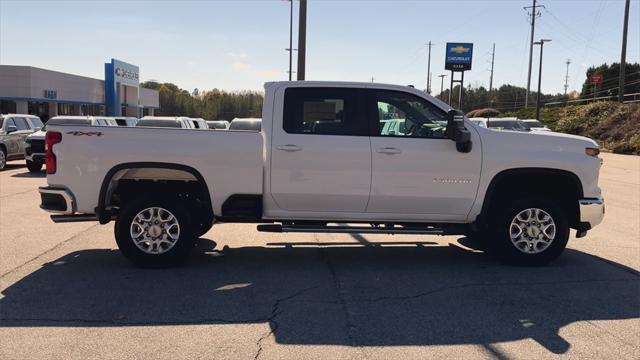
[591,212]
[35,157]
[56,200]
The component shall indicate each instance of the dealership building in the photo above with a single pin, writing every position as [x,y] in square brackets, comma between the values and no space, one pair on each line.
[48,93]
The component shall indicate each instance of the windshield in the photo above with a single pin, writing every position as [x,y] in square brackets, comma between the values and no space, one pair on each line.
[36,122]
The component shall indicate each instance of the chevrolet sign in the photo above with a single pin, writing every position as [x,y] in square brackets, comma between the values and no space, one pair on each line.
[458,56]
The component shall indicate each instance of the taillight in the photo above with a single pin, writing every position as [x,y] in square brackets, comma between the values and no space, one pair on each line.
[52,138]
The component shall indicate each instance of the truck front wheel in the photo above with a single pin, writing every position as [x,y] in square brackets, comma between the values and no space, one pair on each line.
[155,233]
[34,166]
[529,232]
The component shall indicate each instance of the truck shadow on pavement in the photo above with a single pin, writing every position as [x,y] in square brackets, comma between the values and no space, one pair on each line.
[381,294]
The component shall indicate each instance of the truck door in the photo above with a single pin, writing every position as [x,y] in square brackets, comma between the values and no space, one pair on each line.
[13,138]
[415,168]
[321,153]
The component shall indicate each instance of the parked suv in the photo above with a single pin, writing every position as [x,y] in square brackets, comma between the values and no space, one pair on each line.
[34,152]
[14,128]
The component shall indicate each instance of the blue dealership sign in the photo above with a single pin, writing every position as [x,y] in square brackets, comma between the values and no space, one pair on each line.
[118,73]
[458,56]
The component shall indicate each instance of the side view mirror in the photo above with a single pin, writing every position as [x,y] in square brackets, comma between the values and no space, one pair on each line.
[457,132]
[11,128]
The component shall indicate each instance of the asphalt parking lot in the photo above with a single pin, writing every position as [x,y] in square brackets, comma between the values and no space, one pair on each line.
[66,292]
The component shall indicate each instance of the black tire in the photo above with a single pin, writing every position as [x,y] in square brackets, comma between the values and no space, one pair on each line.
[174,256]
[34,166]
[3,158]
[501,246]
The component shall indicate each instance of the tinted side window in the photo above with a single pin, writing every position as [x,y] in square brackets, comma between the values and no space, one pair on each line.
[21,124]
[35,122]
[326,111]
[407,115]
[10,122]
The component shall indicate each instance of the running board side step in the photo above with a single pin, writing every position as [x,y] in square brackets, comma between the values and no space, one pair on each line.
[276,228]
[73,218]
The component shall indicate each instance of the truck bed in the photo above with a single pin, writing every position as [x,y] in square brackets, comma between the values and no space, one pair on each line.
[233,160]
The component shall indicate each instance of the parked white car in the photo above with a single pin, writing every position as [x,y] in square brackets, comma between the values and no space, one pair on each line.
[535,125]
[482,122]
[218,124]
[250,124]
[321,158]
[126,121]
[181,122]
[14,129]
[34,152]
[200,123]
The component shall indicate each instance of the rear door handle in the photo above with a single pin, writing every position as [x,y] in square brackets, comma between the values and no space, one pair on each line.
[289,147]
[388,150]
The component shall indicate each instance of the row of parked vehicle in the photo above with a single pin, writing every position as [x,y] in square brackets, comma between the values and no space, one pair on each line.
[22,136]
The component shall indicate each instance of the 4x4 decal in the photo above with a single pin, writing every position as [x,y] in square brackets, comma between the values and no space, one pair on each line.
[85,133]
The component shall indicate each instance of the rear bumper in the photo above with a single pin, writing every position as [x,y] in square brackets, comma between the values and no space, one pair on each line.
[56,200]
[591,212]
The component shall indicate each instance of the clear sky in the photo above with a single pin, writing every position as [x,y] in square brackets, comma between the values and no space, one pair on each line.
[241,44]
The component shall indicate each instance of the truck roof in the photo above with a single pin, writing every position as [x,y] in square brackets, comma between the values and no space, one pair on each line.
[355,84]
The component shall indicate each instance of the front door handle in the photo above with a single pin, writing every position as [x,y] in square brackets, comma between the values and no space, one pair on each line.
[388,150]
[289,147]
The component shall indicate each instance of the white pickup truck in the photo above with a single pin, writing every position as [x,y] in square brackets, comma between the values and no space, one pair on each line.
[321,160]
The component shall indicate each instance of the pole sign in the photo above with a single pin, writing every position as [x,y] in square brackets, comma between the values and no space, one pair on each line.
[597,79]
[458,56]
[117,73]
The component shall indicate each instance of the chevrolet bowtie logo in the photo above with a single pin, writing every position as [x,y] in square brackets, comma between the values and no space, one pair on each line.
[459,49]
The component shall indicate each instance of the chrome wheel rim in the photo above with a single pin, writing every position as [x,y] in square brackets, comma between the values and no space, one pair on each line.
[155,230]
[3,160]
[532,231]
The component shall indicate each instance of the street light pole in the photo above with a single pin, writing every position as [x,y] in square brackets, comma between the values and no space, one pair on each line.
[541,43]
[290,38]
[441,76]
[302,39]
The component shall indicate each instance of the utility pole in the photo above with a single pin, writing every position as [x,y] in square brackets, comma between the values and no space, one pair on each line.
[429,69]
[623,56]
[373,79]
[534,14]
[442,76]
[541,43]
[302,39]
[290,49]
[566,78]
[493,54]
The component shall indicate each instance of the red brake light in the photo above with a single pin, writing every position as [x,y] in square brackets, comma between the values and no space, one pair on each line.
[52,138]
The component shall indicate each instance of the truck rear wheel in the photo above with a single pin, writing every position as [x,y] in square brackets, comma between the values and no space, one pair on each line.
[155,233]
[530,232]
[34,166]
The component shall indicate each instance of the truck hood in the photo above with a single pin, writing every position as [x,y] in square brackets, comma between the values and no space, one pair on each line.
[38,135]
[539,138]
